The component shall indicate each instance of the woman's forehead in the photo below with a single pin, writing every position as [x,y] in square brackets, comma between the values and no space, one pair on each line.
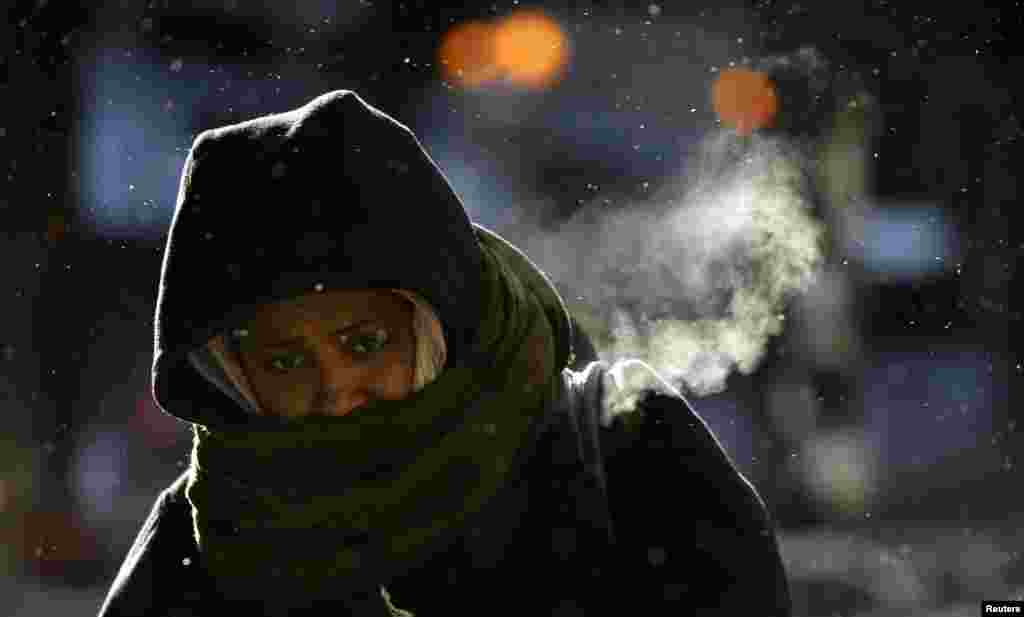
[334,307]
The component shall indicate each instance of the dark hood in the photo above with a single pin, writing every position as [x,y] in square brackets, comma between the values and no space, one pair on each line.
[332,195]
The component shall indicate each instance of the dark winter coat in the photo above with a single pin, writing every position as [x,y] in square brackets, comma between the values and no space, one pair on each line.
[603,520]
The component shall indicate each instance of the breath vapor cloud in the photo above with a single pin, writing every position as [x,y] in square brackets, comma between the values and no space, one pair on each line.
[696,286]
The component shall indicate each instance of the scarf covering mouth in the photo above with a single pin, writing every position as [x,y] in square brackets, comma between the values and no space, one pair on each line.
[323,508]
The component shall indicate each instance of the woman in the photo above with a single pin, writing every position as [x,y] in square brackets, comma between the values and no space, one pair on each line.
[385,418]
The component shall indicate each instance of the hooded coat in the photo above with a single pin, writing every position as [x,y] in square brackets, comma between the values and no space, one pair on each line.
[610,508]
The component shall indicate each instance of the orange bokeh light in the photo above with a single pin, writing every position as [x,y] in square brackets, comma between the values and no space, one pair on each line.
[530,49]
[744,99]
[466,55]
[527,48]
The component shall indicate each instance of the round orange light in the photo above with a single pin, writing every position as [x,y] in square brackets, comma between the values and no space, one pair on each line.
[466,56]
[530,49]
[744,99]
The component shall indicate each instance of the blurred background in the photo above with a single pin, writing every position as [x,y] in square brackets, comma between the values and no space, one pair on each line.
[804,214]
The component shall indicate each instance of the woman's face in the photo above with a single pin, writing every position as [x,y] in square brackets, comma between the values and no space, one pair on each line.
[330,352]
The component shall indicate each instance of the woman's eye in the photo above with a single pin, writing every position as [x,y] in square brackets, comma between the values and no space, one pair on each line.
[369,343]
[287,362]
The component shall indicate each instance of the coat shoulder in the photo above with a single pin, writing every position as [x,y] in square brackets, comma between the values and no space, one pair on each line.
[677,500]
[160,567]
[643,417]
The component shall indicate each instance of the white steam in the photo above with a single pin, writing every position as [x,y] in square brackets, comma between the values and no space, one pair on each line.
[697,286]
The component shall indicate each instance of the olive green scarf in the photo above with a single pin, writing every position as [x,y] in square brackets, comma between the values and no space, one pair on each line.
[314,508]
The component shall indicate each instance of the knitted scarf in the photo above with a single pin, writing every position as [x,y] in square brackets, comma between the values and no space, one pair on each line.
[298,511]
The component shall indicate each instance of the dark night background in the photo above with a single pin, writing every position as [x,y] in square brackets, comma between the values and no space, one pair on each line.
[101,103]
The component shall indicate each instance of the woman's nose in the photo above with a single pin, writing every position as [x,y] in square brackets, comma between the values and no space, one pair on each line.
[335,369]
[333,403]
[342,386]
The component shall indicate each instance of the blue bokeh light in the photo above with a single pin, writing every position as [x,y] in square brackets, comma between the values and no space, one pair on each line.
[133,139]
[926,407]
[906,242]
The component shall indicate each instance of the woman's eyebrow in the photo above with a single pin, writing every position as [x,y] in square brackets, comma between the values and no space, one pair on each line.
[298,339]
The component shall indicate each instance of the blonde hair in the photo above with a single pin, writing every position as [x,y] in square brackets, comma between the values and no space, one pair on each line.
[431,350]
[429,358]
